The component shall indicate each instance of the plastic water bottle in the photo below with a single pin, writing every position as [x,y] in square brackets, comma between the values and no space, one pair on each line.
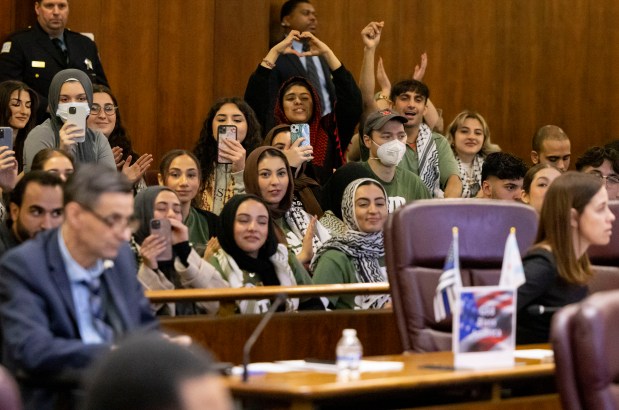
[348,353]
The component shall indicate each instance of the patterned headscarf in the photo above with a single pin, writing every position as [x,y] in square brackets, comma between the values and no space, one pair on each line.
[364,249]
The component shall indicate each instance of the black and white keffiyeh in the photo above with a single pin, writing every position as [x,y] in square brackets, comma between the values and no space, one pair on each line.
[364,249]
[428,161]
[471,177]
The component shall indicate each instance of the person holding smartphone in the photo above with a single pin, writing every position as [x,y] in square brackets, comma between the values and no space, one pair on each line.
[222,162]
[70,99]
[166,260]
[18,102]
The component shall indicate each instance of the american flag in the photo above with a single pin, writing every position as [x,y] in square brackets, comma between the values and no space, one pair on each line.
[445,296]
[486,320]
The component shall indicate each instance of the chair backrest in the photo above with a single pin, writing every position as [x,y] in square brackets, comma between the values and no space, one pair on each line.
[608,255]
[417,239]
[560,338]
[9,392]
[592,355]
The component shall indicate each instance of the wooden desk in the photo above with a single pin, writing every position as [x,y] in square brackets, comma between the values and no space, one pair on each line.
[525,386]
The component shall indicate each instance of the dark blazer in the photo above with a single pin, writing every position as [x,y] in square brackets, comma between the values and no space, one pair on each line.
[40,332]
[33,59]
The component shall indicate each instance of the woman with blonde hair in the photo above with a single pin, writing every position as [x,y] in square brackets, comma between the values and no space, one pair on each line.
[469,137]
[574,215]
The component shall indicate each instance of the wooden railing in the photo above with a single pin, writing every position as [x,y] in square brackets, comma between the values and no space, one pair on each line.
[263,292]
[291,335]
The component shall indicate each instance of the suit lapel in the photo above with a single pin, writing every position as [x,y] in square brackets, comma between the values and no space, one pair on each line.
[296,63]
[59,275]
[117,297]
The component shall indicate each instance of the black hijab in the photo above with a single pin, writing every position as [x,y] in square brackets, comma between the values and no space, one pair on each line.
[261,265]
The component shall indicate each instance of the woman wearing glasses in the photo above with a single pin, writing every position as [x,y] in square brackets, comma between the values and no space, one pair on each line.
[105,117]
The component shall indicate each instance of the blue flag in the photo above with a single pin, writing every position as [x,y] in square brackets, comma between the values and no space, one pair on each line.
[445,296]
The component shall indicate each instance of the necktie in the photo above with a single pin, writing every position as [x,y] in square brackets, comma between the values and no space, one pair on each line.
[60,46]
[98,311]
[312,73]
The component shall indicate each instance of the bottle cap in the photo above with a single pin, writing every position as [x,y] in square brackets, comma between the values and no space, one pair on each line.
[350,332]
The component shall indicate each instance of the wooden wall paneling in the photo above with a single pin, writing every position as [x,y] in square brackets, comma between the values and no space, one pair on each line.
[8,18]
[241,42]
[85,17]
[186,38]
[129,52]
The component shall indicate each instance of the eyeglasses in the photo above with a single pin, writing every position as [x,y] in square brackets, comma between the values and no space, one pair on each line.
[108,109]
[610,179]
[116,222]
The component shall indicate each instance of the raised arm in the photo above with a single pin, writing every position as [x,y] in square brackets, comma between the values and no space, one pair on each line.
[371,38]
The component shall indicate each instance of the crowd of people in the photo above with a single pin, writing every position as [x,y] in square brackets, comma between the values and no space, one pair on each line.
[269,206]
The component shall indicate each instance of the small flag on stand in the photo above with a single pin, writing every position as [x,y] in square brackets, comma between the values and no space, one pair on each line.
[445,296]
[512,272]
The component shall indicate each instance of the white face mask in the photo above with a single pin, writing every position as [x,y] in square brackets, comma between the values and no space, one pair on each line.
[391,153]
[63,109]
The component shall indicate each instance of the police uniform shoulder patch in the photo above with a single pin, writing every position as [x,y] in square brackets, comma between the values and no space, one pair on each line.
[6,47]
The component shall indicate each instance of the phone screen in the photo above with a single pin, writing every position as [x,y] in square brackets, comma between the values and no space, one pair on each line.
[224,132]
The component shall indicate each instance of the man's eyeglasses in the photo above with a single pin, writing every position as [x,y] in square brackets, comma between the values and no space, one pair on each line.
[108,109]
[610,179]
[116,222]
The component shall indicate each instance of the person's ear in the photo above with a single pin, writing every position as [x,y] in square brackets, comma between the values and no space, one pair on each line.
[524,197]
[367,141]
[160,179]
[574,218]
[486,188]
[285,22]
[534,157]
[14,211]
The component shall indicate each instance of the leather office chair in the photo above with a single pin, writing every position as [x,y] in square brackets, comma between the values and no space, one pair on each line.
[9,392]
[417,239]
[592,358]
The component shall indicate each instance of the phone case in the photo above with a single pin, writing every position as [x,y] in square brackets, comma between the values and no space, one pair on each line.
[162,227]
[77,116]
[6,137]
[300,131]
[225,132]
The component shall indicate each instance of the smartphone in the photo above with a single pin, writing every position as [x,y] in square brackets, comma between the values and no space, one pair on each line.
[300,131]
[6,137]
[225,132]
[77,116]
[162,227]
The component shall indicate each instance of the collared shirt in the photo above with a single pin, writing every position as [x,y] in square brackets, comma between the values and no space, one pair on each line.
[81,294]
[326,109]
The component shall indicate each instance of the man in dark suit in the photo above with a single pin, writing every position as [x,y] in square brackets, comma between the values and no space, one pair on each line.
[68,295]
[300,15]
[36,54]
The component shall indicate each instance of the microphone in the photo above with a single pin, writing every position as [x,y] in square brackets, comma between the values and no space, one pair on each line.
[539,310]
[258,331]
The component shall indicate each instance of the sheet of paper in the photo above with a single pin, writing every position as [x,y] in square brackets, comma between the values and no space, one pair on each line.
[544,355]
[366,366]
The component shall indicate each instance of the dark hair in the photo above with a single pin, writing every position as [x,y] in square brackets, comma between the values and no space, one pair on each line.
[530,175]
[86,186]
[145,373]
[206,146]
[39,160]
[404,86]
[572,190]
[338,182]
[118,137]
[503,165]
[547,132]
[6,89]
[614,144]
[289,6]
[595,156]
[164,165]
[40,177]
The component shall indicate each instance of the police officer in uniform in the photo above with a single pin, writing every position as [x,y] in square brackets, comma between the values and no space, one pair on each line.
[36,54]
